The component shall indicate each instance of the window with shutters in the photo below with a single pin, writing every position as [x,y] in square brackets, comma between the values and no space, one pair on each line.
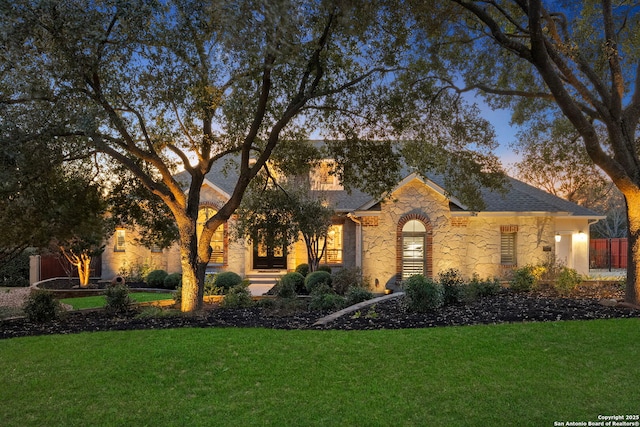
[120,241]
[508,242]
[414,236]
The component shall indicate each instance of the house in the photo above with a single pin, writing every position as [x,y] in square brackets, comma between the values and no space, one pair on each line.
[417,228]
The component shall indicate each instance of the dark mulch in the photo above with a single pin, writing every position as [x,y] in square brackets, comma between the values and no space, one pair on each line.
[542,306]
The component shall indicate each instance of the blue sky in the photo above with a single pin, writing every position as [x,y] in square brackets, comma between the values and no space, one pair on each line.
[505,133]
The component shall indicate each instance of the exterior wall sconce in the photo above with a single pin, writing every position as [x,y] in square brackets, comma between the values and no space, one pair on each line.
[582,237]
[558,237]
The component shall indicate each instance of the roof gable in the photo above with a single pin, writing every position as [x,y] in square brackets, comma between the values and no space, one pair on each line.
[518,198]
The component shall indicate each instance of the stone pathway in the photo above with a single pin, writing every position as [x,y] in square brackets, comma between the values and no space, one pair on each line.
[356,307]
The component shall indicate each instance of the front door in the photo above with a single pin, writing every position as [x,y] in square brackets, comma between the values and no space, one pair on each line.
[266,258]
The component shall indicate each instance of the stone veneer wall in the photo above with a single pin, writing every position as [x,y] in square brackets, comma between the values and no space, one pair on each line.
[469,244]
[137,257]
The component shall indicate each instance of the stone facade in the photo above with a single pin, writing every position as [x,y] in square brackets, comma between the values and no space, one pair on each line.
[373,239]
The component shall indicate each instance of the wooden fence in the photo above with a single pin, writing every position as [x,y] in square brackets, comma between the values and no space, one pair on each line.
[57,266]
[610,254]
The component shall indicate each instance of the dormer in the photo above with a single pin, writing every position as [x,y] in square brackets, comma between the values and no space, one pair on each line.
[323,178]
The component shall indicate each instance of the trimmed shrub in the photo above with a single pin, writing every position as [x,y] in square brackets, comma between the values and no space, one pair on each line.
[155,278]
[356,294]
[346,278]
[290,285]
[453,285]
[172,281]
[324,267]
[227,280]
[486,287]
[237,296]
[323,298]
[42,307]
[567,280]
[523,279]
[118,300]
[315,279]
[423,294]
[303,269]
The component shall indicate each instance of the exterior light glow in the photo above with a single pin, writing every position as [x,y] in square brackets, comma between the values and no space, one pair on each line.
[558,237]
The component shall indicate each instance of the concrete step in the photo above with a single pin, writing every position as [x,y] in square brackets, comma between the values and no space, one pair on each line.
[262,281]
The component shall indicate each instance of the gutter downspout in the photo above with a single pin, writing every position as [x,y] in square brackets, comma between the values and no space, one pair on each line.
[358,223]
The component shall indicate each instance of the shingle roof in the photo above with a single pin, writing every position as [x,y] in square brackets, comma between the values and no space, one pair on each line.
[519,197]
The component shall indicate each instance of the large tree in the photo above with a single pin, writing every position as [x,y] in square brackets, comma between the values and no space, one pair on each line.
[157,85]
[182,84]
[541,57]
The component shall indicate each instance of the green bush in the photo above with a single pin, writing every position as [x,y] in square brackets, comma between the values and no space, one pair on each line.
[567,280]
[42,307]
[172,281]
[210,287]
[155,278]
[523,279]
[237,296]
[117,299]
[323,298]
[485,287]
[177,295]
[324,267]
[290,285]
[315,279]
[423,294]
[227,280]
[15,272]
[303,269]
[453,285]
[346,278]
[356,294]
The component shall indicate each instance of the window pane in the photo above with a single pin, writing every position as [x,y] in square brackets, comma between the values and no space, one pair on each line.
[414,226]
[217,241]
[120,241]
[333,250]
[413,259]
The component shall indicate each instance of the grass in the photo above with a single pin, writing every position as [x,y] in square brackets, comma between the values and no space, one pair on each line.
[528,374]
[98,301]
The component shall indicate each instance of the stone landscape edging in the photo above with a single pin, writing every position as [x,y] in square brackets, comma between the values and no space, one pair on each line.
[333,316]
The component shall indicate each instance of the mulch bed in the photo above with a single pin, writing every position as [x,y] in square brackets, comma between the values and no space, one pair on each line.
[505,307]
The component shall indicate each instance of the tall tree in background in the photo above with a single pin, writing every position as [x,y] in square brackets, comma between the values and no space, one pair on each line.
[538,58]
[43,199]
[554,160]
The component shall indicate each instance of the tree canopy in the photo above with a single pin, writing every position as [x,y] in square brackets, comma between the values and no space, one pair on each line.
[544,60]
[179,85]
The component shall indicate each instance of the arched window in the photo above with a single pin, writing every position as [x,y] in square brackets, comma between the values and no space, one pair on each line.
[217,241]
[414,242]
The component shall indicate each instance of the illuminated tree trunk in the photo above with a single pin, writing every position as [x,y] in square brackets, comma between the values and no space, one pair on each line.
[632,292]
[190,300]
[82,262]
[194,257]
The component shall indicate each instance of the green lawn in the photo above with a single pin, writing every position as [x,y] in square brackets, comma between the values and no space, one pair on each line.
[496,375]
[98,301]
